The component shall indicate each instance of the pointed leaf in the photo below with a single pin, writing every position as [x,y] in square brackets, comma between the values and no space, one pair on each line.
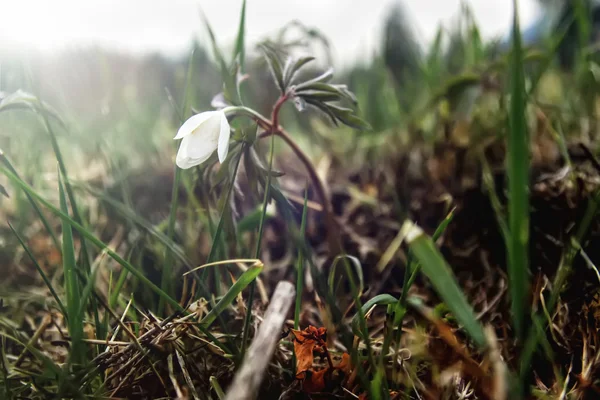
[324,77]
[244,280]
[275,67]
[293,67]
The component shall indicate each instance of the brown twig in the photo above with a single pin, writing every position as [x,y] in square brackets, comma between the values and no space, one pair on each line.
[247,381]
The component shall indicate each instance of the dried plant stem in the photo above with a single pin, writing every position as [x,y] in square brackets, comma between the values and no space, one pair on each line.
[247,380]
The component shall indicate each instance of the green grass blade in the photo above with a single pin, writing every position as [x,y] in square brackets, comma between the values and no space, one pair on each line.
[488,183]
[87,291]
[518,182]
[381,299]
[89,236]
[229,84]
[141,222]
[69,190]
[563,273]
[412,270]
[331,280]
[48,363]
[72,289]
[439,273]
[40,270]
[43,111]
[35,206]
[261,226]
[239,51]
[166,282]
[557,40]
[244,280]
[300,274]
[362,328]
[300,266]
[217,236]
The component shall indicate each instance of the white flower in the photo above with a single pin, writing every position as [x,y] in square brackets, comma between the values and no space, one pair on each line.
[202,134]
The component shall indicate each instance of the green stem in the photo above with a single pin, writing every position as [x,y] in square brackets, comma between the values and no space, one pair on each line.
[275,118]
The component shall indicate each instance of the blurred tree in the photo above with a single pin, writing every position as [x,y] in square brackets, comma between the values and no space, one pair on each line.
[580,19]
[402,53]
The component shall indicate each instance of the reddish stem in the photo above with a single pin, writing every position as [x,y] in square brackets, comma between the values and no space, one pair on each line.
[275,114]
[272,128]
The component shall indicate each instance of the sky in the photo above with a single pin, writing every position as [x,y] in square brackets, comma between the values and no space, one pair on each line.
[168,26]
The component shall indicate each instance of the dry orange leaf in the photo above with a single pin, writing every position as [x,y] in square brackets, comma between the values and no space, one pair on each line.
[305,343]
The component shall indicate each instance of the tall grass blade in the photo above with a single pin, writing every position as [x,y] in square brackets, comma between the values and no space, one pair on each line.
[258,247]
[40,270]
[217,236]
[439,273]
[300,267]
[412,270]
[72,288]
[166,282]
[35,206]
[518,182]
[239,51]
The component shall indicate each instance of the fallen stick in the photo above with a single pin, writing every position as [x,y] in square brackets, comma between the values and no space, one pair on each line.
[247,380]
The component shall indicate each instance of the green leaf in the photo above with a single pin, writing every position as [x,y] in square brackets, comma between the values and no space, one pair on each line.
[317,96]
[331,280]
[439,273]
[292,67]
[314,89]
[244,280]
[322,107]
[251,221]
[324,77]
[353,121]
[382,299]
[347,117]
[275,67]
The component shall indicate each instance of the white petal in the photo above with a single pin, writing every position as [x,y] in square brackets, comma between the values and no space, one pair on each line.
[193,123]
[185,163]
[225,132]
[204,141]
[191,153]
[183,160]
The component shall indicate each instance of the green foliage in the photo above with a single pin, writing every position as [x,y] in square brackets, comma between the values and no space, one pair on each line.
[407,95]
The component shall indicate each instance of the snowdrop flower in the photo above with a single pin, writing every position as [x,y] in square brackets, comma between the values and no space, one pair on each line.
[202,134]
